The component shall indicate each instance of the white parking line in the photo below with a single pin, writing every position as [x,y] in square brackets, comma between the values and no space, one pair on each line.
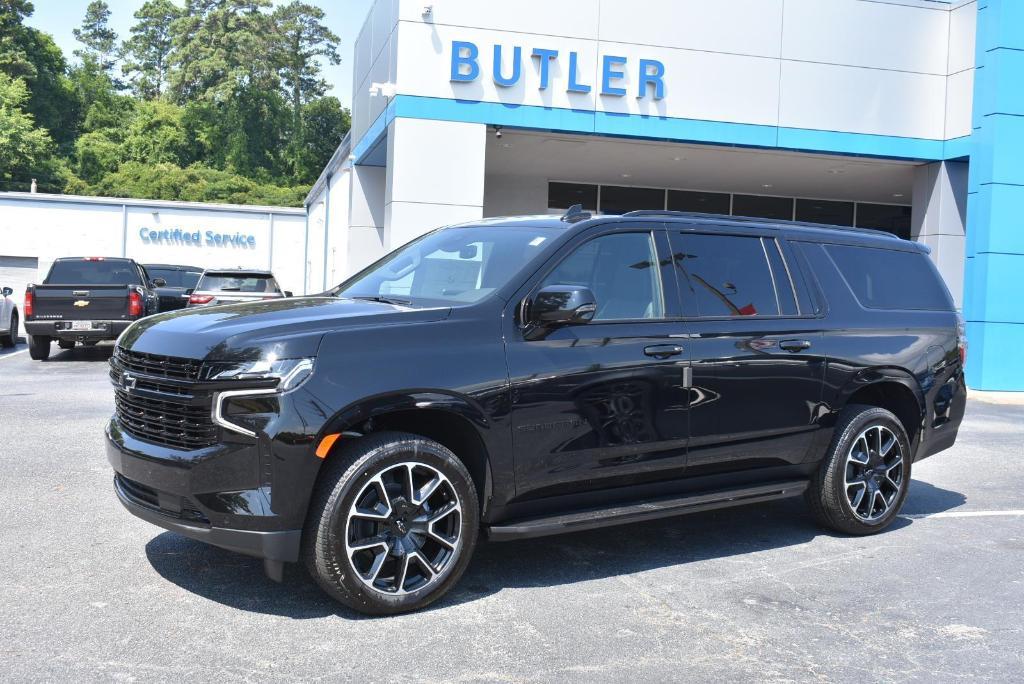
[7,356]
[962,514]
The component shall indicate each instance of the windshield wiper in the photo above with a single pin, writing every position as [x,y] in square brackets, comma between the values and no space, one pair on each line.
[382,299]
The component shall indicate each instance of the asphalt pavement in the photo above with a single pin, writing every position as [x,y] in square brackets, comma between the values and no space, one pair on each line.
[88,592]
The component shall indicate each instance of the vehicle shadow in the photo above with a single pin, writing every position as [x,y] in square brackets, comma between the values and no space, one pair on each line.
[238,581]
[99,352]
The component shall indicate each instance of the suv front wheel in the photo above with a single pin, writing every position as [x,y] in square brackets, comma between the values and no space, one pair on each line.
[863,480]
[392,524]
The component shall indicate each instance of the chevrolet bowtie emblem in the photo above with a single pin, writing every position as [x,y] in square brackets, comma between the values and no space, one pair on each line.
[128,381]
[82,302]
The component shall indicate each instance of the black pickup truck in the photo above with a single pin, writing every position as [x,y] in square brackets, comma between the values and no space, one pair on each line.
[86,299]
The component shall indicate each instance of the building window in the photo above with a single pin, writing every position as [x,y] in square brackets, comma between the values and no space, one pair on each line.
[703,202]
[561,196]
[892,218]
[824,211]
[617,199]
[761,206]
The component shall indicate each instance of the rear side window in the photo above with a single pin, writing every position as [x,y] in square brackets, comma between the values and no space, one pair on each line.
[890,279]
[730,275]
[93,272]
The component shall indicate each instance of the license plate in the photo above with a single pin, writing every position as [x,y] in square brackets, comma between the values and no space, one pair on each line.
[81,325]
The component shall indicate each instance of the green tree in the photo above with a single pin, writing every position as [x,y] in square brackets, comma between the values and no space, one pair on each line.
[13,60]
[302,41]
[146,53]
[324,123]
[96,35]
[160,133]
[26,151]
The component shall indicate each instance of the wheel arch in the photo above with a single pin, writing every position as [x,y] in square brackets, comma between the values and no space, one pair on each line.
[452,420]
[894,389]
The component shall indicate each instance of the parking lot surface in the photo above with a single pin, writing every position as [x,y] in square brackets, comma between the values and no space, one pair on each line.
[88,592]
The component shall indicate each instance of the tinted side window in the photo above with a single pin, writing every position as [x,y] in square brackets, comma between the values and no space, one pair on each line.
[890,279]
[783,283]
[728,274]
[621,270]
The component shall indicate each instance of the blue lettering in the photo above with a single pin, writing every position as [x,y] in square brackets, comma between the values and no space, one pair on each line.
[517,67]
[251,240]
[574,85]
[546,57]
[469,60]
[608,73]
[144,234]
[652,72]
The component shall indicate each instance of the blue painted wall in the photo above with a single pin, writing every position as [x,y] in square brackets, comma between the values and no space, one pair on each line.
[994,273]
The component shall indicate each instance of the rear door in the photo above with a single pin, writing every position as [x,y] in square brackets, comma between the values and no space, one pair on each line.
[603,404]
[755,346]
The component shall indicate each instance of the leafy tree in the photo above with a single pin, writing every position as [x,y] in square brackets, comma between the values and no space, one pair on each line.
[302,40]
[13,60]
[160,133]
[324,123]
[147,52]
[97,36]
[26,151]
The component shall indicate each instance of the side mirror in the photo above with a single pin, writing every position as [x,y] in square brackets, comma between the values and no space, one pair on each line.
[7,292]
[288,293]
[557,305]
[159,282]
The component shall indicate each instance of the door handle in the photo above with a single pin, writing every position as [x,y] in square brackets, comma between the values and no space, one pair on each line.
[663,351]
[794,345]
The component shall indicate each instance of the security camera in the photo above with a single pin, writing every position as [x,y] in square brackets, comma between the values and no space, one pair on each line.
[497,132]
[427,11]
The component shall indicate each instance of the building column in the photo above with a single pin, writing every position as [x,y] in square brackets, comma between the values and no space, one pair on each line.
[939,217]
[435,177]
[994,277]
[365,217]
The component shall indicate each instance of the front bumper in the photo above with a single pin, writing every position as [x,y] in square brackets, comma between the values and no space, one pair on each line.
[60,330]
[211,495]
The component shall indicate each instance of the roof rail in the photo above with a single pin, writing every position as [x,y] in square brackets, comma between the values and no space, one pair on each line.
[575,213]
[754,219]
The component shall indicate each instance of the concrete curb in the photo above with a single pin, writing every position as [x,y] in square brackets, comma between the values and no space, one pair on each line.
[1014,398]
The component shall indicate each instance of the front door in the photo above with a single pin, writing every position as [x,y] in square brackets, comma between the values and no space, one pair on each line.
[604,403]
[756,350]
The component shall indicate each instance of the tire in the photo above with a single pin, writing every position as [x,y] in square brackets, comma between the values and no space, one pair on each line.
[39,347]
[860,488]
[11,338]
[66,344]
[364,494]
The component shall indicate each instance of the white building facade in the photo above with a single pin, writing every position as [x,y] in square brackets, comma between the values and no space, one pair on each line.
[874,113]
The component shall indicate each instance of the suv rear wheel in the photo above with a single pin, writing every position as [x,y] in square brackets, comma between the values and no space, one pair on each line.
[863,481]
[39,347]
[392,524]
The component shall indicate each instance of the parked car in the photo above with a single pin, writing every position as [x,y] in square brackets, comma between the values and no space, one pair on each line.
[233,286]
[86,300]
[177,281]
[8,318]
[532,376]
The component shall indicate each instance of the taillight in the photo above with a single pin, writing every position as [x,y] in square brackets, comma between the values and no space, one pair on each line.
[200,299]
[961,339]
[134,303]
[28,304]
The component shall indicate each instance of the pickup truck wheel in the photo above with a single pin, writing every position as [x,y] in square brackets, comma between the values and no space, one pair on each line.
[392,523]
[11,338]
[863,480]
[66,344]
[39,347]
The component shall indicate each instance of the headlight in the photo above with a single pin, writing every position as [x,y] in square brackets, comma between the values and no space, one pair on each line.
[290,373]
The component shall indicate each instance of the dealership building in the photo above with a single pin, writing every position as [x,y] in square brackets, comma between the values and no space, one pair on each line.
[900,115]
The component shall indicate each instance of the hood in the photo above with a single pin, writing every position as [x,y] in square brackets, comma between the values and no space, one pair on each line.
[289,328]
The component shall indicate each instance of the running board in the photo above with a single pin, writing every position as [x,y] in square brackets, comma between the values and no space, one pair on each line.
[646,510]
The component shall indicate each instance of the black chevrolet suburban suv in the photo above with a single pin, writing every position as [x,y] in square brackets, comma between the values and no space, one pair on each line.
[520,377]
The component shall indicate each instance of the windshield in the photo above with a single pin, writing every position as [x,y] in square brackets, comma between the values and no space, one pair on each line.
[458,265]
[175,277]
[93,272]
[238,282]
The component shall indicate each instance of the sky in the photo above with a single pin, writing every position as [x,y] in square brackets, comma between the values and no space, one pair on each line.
[344,17]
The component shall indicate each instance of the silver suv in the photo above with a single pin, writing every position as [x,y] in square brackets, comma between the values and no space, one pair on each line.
[235,285]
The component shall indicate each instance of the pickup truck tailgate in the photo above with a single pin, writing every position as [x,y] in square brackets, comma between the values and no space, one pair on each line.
[81,303]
